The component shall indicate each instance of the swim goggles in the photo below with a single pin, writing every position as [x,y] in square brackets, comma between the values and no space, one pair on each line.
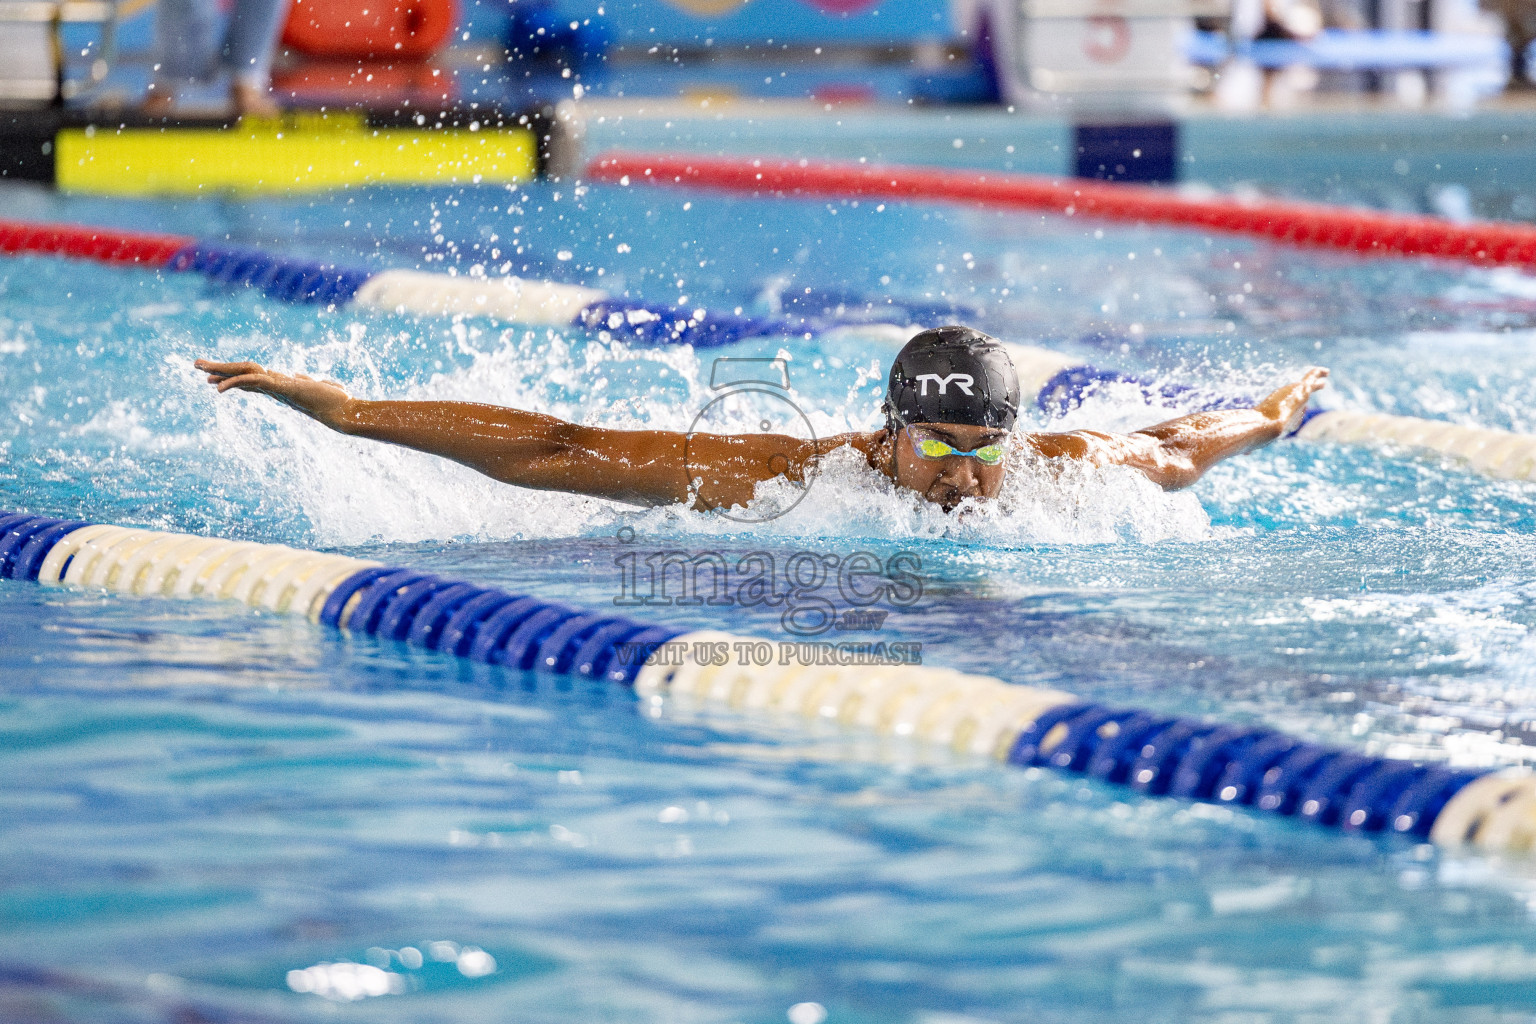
[929,447]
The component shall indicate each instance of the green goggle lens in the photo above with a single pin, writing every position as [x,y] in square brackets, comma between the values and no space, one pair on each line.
[933,448]
[991,455]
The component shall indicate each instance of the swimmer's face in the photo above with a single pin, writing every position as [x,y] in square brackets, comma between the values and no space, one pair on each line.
[947,481]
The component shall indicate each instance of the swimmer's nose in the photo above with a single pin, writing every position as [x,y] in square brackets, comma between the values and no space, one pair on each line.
[961,475]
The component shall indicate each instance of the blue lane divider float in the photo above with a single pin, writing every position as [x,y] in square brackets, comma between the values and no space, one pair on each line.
[1155,754]
[1196,760]
[510,299]
[1069,387]
[481,623]
[288,280]
[515,300]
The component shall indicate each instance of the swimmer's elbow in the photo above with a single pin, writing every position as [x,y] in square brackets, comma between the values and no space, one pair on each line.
[1173,471]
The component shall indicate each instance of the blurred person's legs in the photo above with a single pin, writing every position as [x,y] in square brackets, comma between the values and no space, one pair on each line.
[1350,15]
[186,34]
[1519,29]
[247,53]
[184,43]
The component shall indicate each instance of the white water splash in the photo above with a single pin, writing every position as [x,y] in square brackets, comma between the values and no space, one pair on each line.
[124,423]
[352,491]
[1480,284]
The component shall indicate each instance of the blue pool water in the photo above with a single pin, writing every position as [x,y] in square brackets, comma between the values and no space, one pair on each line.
[207,810]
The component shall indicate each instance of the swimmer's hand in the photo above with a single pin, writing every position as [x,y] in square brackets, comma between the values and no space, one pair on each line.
[1286,405]
[322,400]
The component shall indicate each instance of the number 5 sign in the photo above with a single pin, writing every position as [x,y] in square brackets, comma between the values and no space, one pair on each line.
[1109,46]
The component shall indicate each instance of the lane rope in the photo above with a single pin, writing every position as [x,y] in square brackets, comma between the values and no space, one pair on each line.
[508,299]
[1058,382]
[1024,726]
[1303,224]
[104,245]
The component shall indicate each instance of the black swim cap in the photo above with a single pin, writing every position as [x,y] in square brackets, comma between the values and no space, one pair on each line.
[953,375]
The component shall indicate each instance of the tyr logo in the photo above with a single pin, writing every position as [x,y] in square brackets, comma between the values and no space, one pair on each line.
[963,381]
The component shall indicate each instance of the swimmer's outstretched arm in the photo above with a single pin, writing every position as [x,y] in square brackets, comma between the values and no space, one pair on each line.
[529,449]
[1176,453]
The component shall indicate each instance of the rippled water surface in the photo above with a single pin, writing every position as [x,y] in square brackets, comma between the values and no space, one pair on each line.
[212,814]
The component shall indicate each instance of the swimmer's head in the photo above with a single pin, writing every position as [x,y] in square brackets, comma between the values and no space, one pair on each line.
[951,390]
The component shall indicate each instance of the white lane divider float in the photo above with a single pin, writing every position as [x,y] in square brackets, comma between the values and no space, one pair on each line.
[150,563]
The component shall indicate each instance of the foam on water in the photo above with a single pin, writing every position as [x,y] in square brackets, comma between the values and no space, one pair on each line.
[1040,504]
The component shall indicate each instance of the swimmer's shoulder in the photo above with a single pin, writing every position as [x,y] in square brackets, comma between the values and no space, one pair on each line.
[1096,445]
[1078,444]
[803,448]
[798,451]
[861,441]
[871,444]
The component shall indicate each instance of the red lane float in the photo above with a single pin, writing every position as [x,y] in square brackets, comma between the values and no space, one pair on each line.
[1304,224]
[100,244]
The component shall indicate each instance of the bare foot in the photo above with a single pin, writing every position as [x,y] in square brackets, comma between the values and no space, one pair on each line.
[253,100]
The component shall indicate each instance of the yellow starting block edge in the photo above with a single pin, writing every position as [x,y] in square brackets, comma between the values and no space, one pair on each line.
[269,158]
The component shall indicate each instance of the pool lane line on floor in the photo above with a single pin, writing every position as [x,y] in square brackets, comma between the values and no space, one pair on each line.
[1054,381]
[864,687]
[1311,225]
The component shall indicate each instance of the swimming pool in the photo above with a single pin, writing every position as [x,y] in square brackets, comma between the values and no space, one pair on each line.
[202,801]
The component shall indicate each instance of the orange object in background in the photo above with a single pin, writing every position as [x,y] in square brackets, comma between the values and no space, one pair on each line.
[368,29]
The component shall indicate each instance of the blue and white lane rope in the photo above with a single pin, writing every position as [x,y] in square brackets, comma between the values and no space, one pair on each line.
[504,298]
[509,299]
[1055,382]
[1152,753]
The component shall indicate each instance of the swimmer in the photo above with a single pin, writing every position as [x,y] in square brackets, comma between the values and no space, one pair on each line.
[950,406]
